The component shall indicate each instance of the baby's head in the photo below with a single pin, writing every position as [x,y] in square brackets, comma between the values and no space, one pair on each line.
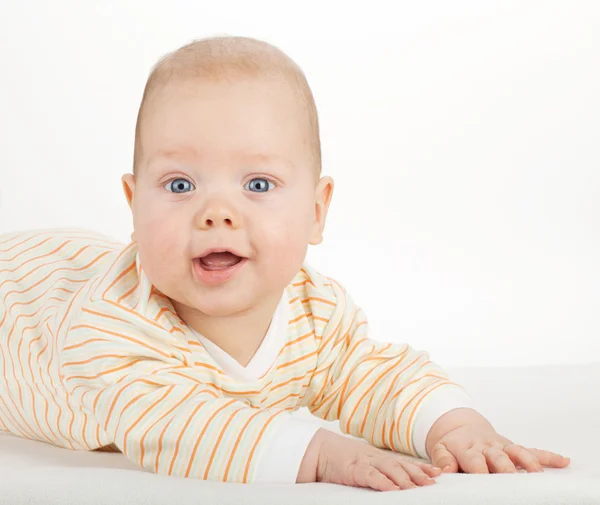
[227,157]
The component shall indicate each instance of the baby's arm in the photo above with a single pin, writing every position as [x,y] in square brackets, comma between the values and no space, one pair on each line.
[388,394]
[158,412]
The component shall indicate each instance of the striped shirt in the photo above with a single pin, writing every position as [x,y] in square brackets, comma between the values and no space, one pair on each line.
[93,355]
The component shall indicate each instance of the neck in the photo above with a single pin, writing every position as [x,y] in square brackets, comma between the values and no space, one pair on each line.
[239,334]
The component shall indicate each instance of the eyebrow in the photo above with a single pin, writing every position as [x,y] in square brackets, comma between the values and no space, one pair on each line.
[190,152]
[172,153]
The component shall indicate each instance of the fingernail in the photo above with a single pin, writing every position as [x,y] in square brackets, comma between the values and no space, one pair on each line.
[447,467]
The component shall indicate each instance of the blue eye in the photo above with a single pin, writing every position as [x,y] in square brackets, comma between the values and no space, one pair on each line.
[179,187]
[259,185]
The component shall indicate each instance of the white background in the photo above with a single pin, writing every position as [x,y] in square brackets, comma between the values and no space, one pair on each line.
[464,139]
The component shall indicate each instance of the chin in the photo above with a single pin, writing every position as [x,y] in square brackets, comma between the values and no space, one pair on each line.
[218,306]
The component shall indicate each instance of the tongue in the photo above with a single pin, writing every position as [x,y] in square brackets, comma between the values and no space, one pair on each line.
[219,261]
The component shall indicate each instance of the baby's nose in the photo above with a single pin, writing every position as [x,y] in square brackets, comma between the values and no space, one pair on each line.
[217,215]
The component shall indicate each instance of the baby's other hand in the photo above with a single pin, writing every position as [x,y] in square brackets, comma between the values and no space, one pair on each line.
[480,449]
[357,463]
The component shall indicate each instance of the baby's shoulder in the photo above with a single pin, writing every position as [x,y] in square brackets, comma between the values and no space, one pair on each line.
[316,290]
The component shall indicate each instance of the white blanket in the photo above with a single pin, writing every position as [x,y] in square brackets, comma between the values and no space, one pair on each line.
[555,408]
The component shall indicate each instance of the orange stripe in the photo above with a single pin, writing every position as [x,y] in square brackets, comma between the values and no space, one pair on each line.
[217,444]
[42,350]
[20,253]
[301,358]
[122,413]
[285,399]
[368,409]
[85,342]
[237,443]
[119,277]
[296,319]
[414,411]
[258,439]
[282,384]
[16,245]
[216,386]
[160,445]
[35,257]
[199,438]
[102,314]
[37,387]
[393,362]
[124,337]
[337,329]
[326,380]
[13,367]
[160,438]
[383,402]
[114,402]
[126,294]
[299,339]
[406,405]
[316,299]
[160,313]
[57,269]
[308,276]
[28,302]
[168,391]
[100,374]
[33,409]
[28,289]
[94,358]
[206,365]
[302,283]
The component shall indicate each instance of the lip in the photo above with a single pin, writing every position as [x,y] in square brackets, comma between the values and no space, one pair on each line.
[212,277]
[206,252]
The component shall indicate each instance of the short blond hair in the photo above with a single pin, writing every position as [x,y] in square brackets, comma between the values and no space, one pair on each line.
[230,57]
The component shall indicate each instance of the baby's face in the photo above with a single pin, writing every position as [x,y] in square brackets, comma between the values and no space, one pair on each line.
[225,166]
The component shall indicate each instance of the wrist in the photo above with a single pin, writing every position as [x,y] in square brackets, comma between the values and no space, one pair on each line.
[310,461]
[451,421]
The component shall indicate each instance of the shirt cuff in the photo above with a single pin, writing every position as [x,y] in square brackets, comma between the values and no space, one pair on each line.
[435,405]
[281,459]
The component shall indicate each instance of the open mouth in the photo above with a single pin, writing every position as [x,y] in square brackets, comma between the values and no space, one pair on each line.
[219,261]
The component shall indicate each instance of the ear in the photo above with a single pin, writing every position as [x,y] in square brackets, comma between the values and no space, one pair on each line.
[323,194]
[128,182]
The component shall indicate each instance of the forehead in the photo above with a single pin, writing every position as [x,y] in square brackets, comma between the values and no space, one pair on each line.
[185,153]
[259,118]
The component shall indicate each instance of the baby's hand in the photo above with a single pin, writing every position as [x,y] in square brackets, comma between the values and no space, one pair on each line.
[357,463]
[478,448]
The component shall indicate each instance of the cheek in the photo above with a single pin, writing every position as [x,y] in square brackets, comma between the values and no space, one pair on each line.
[284,242]
[158,242]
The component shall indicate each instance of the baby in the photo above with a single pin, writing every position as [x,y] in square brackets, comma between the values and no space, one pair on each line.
[189,348]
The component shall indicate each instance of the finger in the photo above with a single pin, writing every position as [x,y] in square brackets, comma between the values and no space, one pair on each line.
[365,475]
[443,458]
[396,471]
[527,459]
[432,471]
[498,461]
[417,474]
[472,461]
[551,459]
[428,468]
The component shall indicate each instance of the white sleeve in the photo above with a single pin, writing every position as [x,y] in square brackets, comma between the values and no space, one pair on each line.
[280,461]
[435,405]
